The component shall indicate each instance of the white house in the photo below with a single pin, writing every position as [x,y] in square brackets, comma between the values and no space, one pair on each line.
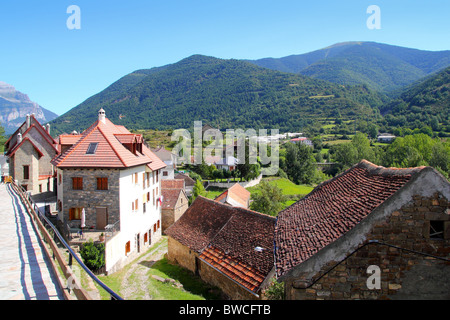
[169,159]
[115,178]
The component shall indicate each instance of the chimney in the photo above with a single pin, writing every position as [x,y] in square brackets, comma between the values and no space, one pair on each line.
[28,121]
[48,128]
[101,115]
[19,137]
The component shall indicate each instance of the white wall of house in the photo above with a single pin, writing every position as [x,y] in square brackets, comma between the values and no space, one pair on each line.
[136,226]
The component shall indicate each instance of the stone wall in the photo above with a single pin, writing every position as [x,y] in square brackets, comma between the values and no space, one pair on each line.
[90,198]
[182,255]
[169,216]
[229,287]
[407,266]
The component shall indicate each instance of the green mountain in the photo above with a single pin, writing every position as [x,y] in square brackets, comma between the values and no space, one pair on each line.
[381,67]
[222,93]
[424,103]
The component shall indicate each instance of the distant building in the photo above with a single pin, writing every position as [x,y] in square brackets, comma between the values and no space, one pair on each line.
[29,150]
[169,159]
[188,182]
[236,196]
[229,163]
[386,137]
[115,178]
[394,222]
[303,140]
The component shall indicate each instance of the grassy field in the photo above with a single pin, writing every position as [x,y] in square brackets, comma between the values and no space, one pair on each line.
[290,189]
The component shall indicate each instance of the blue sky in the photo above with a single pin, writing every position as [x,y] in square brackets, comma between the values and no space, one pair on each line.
[60,68]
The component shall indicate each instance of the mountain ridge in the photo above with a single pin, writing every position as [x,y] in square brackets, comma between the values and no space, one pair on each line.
[353,62]
[15,105]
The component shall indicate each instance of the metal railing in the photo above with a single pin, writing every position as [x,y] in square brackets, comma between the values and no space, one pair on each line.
[36,214]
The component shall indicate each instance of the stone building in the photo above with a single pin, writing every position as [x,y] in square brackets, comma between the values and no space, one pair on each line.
[369,233]
[229,247]
[29,150]
[174,201]
[110,174]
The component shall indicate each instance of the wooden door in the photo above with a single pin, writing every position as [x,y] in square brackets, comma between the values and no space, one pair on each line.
[102,218]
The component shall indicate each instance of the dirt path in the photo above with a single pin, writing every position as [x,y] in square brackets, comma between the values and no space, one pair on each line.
[134,283]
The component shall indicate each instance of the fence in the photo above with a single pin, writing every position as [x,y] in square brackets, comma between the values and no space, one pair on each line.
[42,222]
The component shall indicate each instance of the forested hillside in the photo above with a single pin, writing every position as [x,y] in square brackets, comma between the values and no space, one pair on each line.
[223,93]
[381,67]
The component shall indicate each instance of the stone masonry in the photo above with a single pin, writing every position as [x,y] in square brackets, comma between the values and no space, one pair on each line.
[402,251]
[90,198]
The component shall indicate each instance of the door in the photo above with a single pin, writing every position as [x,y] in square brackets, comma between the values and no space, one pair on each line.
[102,218]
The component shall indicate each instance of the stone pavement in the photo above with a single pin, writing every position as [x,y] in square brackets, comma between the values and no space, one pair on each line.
[25,272]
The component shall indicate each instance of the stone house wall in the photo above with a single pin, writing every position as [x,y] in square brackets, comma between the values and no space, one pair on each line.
[229,287]
[90,198]
[181,255]
[169,216]
[403,272]
[26,155]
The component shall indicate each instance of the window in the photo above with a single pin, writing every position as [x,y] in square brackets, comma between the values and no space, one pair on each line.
[136,205]
[92,148]
[436,229]
[102,183]
[148,179]
[157,176]
[26,172]
[77,183]
[165,173]
[40,188]
[143,207]
[136,178]
[127,248]
[75,213]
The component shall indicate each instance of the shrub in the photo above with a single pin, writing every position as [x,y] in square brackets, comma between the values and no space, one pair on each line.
[93,255]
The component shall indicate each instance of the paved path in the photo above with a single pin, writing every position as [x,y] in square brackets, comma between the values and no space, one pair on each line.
[25,272]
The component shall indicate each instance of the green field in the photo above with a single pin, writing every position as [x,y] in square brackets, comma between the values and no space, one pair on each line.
[291,190]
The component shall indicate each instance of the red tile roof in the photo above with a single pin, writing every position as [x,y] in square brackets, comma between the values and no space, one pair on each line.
[110,153]
[172,184]
[235,241]
[332,209]
[170,197]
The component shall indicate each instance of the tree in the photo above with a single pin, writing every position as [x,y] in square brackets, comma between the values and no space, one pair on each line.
[2,138]
[268,200]
[440,157]
[198,190]
[299,164]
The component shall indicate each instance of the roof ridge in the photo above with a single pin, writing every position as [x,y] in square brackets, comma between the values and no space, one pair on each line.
[383,171]
[112,147]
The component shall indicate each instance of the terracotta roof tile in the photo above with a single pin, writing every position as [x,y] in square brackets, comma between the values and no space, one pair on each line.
[172,184]
[110,152]
[332,209]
